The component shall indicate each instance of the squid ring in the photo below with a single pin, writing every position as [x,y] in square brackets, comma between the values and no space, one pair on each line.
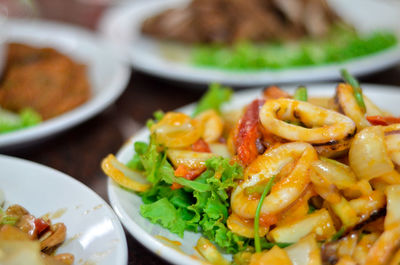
[286,190]
[322,125]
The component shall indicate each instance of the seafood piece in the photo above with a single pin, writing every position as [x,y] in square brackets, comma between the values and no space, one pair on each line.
[375,160]
[285,191]
[306,251]
[275,256]
[244,227]
[319,222]
[348,105]
[57,236]
[248,136]
[176,130]
[321,125]
[212,125]
[384,247]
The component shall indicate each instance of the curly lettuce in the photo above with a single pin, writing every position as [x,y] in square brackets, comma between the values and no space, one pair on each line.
[202,204]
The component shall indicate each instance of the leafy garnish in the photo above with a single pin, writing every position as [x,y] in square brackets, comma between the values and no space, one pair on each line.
[301,93]
[357,92]
[213,98]
[341,44]
[201,205]
[158,115]
[338,234]
[164,213]
[265,244]
[258,211]
[10,121]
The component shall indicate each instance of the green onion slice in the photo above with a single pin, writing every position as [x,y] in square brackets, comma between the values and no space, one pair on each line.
[301,94]
[258,211]
[357,92]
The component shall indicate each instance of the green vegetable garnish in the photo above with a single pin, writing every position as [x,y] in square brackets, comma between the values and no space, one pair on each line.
[201,205]
[301,94]
[357,92]
[213,98]
[267,189]
[311,208]
[268,245]
[341,44]
[10,121]
[9,220]
[158,115]
[338,234]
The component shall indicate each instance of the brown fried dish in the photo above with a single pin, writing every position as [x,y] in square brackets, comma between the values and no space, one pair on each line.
[227,21]
[23,232]
[42,79]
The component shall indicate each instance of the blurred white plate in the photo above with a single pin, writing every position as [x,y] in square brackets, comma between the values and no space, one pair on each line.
[107,75]
[127,204]
[121,25]
[94,234]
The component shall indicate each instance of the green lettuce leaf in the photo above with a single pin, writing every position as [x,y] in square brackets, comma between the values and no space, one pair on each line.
[213,99]
[164,213]
[202,205]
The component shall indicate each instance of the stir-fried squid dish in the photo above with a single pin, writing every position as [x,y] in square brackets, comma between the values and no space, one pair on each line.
[288,179]
[25,239]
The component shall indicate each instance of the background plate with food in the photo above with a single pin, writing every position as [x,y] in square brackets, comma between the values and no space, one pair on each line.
[94,234]
[197,45]
[182,249]
[55,76]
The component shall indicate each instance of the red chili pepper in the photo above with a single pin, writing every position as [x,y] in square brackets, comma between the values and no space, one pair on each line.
[380,120]
[201,146]
[41,225]
[248,134]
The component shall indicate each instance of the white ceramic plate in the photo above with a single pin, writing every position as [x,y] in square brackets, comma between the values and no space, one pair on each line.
[127,204]
[107,75]
[94,233]
[121,25]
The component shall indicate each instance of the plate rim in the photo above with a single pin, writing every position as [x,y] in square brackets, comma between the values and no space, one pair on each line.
[95,105]
[64,177]
[149,241]
[201,75]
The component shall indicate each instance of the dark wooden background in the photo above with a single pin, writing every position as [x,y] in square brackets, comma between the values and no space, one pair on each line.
[78,151]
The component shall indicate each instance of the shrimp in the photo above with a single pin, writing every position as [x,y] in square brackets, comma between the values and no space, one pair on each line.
[323,126]
[244,227]
[177,130]
[348,104]
[212,124]
[286,190]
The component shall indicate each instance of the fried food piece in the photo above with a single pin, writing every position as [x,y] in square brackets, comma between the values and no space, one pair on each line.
[226,21]
[42,79]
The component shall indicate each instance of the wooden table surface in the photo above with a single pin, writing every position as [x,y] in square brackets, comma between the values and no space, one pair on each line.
[78,151]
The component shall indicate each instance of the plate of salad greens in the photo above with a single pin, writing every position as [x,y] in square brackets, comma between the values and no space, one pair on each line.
[105,76]
[368,42]
[181,218]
